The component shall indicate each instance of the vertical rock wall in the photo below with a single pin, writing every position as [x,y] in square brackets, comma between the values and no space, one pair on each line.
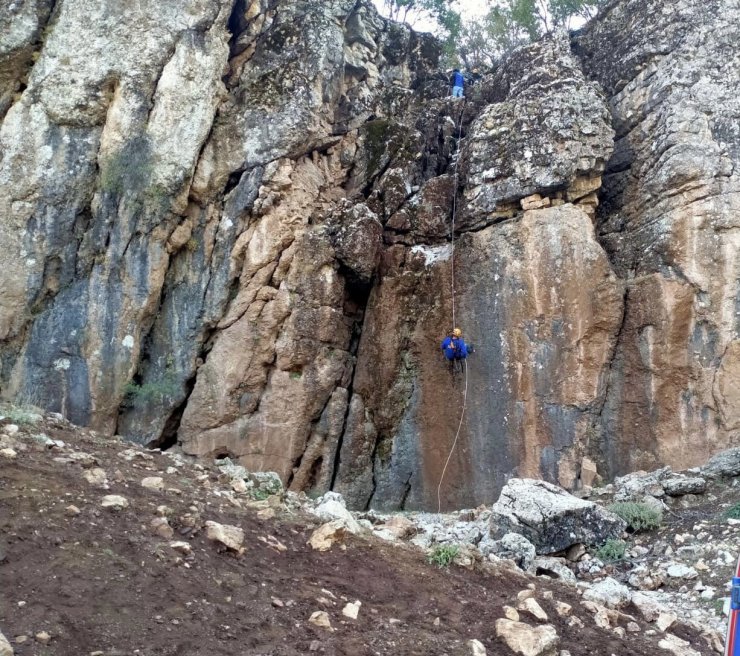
[228,227]
[670,221]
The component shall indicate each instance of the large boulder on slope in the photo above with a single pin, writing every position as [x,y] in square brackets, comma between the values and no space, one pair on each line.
[550,518]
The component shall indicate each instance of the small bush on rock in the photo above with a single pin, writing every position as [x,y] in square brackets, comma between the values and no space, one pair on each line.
[612,550]
[442,555]
[733,512]
[639,516]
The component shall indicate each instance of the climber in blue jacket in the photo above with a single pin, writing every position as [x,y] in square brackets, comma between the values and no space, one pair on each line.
[454,346]
[457,80]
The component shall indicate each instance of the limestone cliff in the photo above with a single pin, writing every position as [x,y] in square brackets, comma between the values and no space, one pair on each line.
[226,224]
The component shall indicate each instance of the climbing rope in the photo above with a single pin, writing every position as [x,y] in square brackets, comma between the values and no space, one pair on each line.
[454,322]
[457,435]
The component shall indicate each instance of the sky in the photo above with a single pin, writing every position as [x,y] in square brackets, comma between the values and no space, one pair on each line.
[468,9]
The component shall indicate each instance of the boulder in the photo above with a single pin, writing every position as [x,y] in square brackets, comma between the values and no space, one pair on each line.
[327,535]
[555,568]
[114,502]
[332,506]
[609,593]
[231,537]
[476,648]
[725,463]
[679,485]
[511,546]
[550,518]
[526,640]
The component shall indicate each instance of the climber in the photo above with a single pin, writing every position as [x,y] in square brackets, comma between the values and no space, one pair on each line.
[457,81]
[455,349]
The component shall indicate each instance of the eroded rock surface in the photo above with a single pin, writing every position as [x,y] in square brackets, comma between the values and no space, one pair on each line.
[227,225]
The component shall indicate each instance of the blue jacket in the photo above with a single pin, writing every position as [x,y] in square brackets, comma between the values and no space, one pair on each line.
[455,348]
[457,79]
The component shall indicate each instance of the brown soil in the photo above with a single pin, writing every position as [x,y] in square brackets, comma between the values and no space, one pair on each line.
[102,581]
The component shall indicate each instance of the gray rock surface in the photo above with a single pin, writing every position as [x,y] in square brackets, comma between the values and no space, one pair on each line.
[550,518]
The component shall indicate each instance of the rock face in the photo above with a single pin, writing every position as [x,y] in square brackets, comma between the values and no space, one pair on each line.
[670,221]
[550,518]
[227,225]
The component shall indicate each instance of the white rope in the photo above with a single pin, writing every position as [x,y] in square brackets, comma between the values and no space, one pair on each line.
[459,427]
[454,212]
[454,322]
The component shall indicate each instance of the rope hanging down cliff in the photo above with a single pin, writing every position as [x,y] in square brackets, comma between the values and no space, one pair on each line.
[454,316]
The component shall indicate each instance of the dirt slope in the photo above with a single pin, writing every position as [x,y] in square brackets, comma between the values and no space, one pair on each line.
[103,581]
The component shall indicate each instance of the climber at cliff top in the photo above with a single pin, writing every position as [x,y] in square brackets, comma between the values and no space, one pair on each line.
[457,80]
[454,346]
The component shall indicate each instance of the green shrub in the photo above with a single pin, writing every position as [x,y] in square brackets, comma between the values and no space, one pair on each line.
[639,516]
[611,551]
[152,392]
[733,512]
[443,554]
[21,414]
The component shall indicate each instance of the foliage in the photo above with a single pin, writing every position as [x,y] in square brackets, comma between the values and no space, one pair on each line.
[733,512]
[611,551]
[412,11]
[21,415]
[639,516]
[443,554]
[511,23]
[155,391]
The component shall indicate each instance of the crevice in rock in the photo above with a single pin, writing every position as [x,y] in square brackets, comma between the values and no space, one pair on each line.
[168,436]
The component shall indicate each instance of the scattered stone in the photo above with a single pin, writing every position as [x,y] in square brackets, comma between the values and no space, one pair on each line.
[5,648]
[476,648]
[515,547]
[554,568]
[182,547]
[563,609]
[72,510]
[114,502]
[153,483]
[327,535]
[550,518]
[648,607]
[332,506]
[675,645]
[511,613]
[527,640]
[531,606]
[352,609]
[665,621]
[10,429]
[681,571]
[320,618]
[10,454]
[609,593]
[231,537]
[161,527]
[278,603]
[43,637]
[633,627]
[96,476]
[399,527]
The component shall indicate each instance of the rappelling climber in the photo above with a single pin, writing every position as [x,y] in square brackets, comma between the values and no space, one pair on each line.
[455,349]
[457,81]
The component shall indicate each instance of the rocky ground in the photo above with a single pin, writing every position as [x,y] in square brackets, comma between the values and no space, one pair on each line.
[108,549]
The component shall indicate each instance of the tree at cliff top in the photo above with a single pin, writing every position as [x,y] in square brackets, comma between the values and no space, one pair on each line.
[511,23]
[412,11]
